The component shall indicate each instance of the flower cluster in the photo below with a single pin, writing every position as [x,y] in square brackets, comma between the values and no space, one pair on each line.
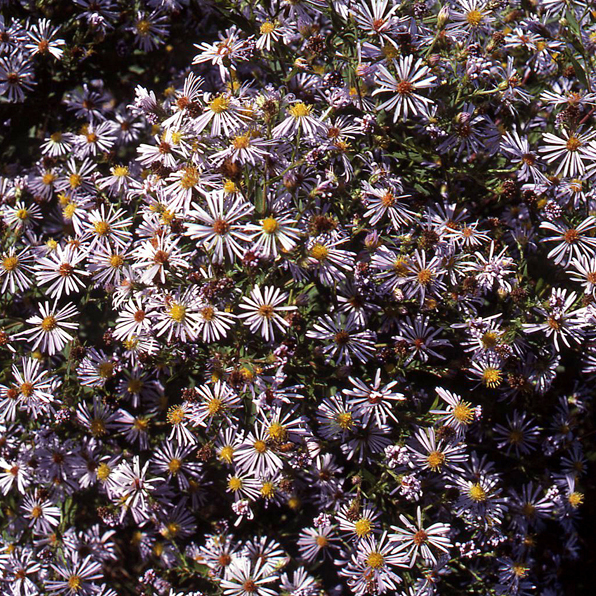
[318,316]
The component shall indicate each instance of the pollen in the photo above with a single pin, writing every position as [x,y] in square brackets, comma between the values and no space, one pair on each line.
[178,312]
[103,472]
[474,18]
[270,225]
[575,499]
[489,340]
[48,178]
[573,143]
[227,454]
[300,110]
[215,406]
[463,413]
[219,104]
[477,493]
[143,27]
[116,261]
[27,389]
[319,252]
[102,228]
[120,171]
[49,323]
[492,377]
[322,541]
[268,490]
[22,214]
[375,560]
[260,446]
[424,276]
[176,415]
[97,427]
[190,178]
[435,460]
[420,538]
[363,527]
[75,180]
[267,28]
[235,483]
[10,263]
[74,583]
[345,420]
[174,466]
[241,141]
[277,432]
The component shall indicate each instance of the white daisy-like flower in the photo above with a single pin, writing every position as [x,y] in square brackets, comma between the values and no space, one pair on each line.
[262,311]
[410,78]
[418,540]
[573,149]
[218,227]
[51,328]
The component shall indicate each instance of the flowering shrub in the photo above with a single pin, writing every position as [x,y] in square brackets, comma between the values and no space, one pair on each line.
[298,296]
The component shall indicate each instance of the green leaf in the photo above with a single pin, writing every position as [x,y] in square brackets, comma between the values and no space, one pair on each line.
[580,73]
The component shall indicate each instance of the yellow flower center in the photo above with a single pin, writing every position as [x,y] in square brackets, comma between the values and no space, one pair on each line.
[267,27]
[116,261]
[103,472]
[49,323]
[319,252]
[215,406]
[300,110]
[268,490]
[363,527]
[260,446]
[102,228]
[491,377]
[477,493]
[278,432]
[178,312]
[573,143]
[27,389]
[174,466]
[270,225]
[234,483]
[143,27]
[345,421]
[75,180]
[241,142]
[375,560]
[227,454]
[463,412]
[219,104]
[474,18]
[10,263]
[190,178]
[176,415]
[74,583]
[435,460]
[575,499]
[120,171]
